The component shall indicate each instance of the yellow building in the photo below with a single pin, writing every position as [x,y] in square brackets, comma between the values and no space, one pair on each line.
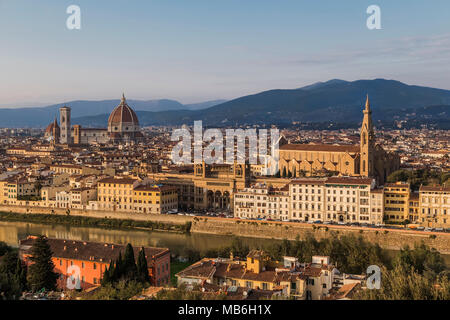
[132,195]
[396,202]
[413,208]
[367,159]
[4,192]
[155,199]
[116,194]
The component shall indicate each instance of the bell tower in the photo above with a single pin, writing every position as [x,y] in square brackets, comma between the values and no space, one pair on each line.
[64,120]
[367,142]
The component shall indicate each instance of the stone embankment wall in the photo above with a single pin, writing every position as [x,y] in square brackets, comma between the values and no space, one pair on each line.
[386,238]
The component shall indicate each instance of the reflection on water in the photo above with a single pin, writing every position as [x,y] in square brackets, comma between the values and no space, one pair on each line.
[11,232]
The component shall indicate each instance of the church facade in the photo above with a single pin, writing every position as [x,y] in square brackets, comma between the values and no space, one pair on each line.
[367,159]
[123,126]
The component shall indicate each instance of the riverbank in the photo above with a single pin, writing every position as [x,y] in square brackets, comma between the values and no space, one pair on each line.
[392,239]
[107,223]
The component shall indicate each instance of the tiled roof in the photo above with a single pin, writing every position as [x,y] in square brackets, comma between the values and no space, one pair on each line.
[117,180]
[90,251]
[321,147]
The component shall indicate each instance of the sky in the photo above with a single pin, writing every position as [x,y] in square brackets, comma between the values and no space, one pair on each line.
[198,50]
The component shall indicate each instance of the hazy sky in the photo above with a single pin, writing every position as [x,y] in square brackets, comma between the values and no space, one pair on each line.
[195,50]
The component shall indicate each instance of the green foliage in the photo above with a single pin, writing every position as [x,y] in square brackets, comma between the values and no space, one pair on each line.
[4,248]
[418,177]
[40,273]
[142,268]
[124,269]
[13,275]
[403,283]
[123,290]
[422,259]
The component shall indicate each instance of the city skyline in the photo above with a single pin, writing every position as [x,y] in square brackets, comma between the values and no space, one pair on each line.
[203,51]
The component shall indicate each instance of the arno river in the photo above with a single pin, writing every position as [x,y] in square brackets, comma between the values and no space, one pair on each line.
[12,232]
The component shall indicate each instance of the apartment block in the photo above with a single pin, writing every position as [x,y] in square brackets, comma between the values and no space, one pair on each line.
[396,202]
[434,206]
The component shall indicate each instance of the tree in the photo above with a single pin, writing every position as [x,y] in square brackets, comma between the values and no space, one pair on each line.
[284,173]
[404,283]
[41,274]
[142,267]
[12,276]
[129,264]
[106,279]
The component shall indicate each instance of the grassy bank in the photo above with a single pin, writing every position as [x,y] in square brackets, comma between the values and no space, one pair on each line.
[96,222]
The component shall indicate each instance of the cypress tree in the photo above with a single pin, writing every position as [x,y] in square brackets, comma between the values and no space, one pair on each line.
[117,270]
[41,274]
[142,267]
[284,172]
[106,277]
[129,264]
[21,274]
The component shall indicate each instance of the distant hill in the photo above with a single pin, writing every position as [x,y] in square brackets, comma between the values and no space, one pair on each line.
[335,100]
[42,116]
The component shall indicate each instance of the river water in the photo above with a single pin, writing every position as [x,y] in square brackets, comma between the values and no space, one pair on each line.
[12,232]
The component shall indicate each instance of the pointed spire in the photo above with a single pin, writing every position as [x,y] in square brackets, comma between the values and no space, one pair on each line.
[367,104]
[123,97]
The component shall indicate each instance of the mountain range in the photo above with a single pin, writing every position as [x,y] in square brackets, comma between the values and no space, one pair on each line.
[42,116]
[336,101]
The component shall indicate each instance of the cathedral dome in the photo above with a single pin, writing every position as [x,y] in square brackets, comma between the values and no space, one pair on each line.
[49,129]
[123,123]
[123,114]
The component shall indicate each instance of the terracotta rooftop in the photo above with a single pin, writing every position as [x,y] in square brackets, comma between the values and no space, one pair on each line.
[117,180]
[321,147]
[123,114]
[435,188]
[90,251]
